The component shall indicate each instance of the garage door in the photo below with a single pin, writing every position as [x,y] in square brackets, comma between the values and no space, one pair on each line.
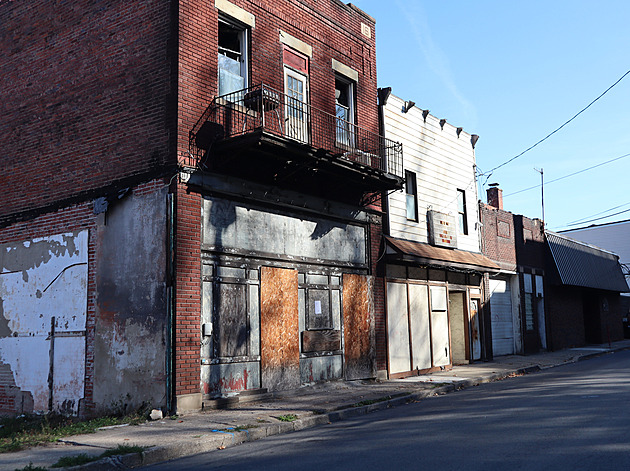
[501,308]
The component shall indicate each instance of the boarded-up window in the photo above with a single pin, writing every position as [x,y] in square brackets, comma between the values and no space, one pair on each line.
[231,320]
[318,315]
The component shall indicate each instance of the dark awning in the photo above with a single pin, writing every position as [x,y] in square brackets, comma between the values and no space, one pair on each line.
[581,264]
[428,255]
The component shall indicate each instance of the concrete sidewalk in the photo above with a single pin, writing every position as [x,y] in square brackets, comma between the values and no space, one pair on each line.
[313,405]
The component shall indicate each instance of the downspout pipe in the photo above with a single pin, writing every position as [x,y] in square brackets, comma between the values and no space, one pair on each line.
[170,300]
[383,96]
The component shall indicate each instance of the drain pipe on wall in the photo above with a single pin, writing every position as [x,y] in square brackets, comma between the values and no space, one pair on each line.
[170,299]
[383,96]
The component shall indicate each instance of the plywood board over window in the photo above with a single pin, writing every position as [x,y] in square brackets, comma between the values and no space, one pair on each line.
[358,326]
[279,329]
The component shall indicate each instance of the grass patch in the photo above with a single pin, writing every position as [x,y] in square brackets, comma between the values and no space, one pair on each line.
[24,431]
[30,467]
[287,418]
[368,402]
[76,460]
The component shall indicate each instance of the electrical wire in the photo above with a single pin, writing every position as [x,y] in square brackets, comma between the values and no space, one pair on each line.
[580,221]
[569,175]
[600,218]
[556,130]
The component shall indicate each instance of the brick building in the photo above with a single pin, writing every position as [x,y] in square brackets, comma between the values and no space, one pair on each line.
[516,294]
[189,203]
[553,292]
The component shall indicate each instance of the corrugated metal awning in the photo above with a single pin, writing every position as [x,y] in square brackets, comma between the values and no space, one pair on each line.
[581,264]
[429,255]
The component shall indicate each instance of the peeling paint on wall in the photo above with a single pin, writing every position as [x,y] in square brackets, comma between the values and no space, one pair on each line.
[43,302]
[234,226]
[131,314]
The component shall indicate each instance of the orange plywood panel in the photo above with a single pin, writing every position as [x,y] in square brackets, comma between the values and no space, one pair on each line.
[358,326]
[279,329]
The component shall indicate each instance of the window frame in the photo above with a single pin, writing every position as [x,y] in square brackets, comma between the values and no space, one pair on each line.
[411,181]
[350,87]
[462,212]
[244,33]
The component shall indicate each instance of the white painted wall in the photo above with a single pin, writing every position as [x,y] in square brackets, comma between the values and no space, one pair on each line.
[442,162]
[41,279]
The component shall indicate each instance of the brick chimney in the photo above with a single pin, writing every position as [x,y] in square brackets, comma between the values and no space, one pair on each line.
[495,197]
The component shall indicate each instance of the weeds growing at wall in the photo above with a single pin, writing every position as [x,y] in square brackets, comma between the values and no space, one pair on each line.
[24,431]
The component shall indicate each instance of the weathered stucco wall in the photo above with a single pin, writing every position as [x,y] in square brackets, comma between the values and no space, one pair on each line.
[43,303]
[231,225]
[131,304]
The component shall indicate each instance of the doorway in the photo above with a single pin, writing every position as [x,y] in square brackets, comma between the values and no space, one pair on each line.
[459,327]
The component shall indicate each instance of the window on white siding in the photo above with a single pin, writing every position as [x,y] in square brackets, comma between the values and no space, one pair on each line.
[233,56]
[411,190]
[461,212]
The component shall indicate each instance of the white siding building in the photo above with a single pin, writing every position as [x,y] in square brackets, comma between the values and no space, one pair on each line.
[434,266]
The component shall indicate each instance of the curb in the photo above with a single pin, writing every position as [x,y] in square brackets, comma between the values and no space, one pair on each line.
[224,439]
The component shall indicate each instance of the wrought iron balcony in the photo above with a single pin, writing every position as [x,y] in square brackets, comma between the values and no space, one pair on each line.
[262,110]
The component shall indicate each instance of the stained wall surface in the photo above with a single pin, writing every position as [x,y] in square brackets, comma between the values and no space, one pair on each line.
[131,309]
[228,224]
[43,302]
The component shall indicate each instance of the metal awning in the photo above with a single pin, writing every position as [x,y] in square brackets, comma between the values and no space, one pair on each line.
[581,264]
[401,250]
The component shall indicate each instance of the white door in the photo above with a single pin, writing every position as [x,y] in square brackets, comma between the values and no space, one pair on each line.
[398,328]
[501,308]
[439,327]
[296,109]
[420,330]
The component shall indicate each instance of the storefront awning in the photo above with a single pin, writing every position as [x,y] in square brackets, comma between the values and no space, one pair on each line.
[581,264]
[424,254]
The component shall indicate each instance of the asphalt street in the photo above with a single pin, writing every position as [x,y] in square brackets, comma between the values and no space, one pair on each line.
[574,417]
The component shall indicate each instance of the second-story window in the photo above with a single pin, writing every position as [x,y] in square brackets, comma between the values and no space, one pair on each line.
[345,111]
[233,56]
[411,190]
[462,216]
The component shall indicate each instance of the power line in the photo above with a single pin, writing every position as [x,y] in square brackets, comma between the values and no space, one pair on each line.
[569,175]
[558,129]
[580,221]
[599,218]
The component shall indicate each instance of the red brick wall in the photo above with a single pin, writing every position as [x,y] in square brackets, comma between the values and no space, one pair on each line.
[187,332]
[497,234]
[330,27]
[334,31]
[84,95]
[565,308]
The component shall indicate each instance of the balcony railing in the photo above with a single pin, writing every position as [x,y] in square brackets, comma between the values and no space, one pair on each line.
[262,108]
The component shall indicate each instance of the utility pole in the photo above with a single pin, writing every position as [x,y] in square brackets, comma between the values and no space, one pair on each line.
[542,192]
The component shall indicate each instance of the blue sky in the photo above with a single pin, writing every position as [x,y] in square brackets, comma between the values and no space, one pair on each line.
[513,72]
